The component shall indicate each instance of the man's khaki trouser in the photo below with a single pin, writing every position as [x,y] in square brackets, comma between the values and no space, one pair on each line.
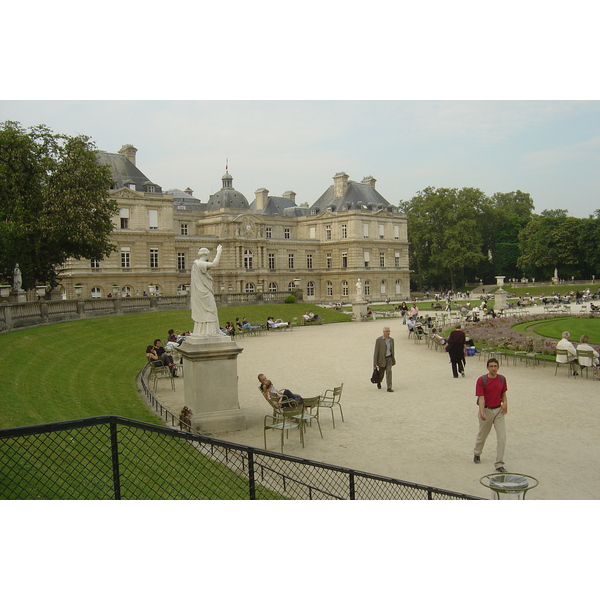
[494,417]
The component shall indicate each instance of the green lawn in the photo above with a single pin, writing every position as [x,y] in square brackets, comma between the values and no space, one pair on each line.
[88,368]
[553,328]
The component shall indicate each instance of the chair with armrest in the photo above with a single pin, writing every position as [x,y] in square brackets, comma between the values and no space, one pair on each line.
[330,399]
[585,358]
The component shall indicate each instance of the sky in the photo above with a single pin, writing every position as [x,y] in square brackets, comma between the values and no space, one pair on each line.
[550,149]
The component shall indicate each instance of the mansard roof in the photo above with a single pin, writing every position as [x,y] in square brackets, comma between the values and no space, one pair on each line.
[358,196]
[280,205]
[124,172]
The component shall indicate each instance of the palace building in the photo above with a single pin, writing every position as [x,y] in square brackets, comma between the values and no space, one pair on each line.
[270,244]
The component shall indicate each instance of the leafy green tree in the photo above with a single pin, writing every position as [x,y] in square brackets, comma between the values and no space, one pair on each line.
[54,202]
[549,242]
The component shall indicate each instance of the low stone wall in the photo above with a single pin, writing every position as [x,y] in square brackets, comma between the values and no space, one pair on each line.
[29,314]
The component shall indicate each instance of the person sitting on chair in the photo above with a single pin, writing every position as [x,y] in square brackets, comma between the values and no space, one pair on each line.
[571,357]
[267,388]
[159,357]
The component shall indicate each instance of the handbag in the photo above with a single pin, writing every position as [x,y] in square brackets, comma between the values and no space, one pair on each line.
[377,375]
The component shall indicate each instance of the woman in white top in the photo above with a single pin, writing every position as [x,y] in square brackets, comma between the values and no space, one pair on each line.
[586,361]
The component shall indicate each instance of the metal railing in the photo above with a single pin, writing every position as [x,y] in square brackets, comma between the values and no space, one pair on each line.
[112,457]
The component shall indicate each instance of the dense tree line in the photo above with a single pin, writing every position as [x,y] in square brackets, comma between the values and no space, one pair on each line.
[462,235]
[54,202]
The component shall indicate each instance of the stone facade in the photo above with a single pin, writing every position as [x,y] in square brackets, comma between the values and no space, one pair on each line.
[272,244]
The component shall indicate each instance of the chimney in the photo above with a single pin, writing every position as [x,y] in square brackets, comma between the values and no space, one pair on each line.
[290,195]
[129,152]
[189,191]
[340,184]
[262,196]
[370,180]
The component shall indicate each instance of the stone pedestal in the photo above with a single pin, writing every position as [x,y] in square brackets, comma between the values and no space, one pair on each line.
[210,383]
[359,310]
[19,297]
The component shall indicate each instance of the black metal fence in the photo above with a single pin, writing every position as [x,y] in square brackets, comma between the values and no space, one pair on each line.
[116,458]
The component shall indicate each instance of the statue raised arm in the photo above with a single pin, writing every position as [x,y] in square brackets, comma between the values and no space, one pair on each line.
[204,307]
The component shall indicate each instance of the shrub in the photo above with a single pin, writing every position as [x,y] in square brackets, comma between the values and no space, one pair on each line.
[290,299]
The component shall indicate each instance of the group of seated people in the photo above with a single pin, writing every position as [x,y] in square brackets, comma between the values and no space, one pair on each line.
[571,357]
[159,357]
[417,325]
[239,326]
[309,317]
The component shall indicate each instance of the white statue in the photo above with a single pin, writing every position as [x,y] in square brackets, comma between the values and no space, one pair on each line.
[204,307]
[359,294]
[17,279]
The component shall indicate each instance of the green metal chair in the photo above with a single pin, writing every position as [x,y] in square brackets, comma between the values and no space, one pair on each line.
[284,419]
[311,411]
[160,371]
[567,363]
[585,358]
[330,399]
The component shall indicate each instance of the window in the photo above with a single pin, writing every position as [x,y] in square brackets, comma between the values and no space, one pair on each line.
[309,261]
[153,219]
[328,232]
[94,263]
[96,292]
[328,261]
[367,287]
[272,287]
[344,288]
[344,260]
[124,216]
[249,288]
[184,229]
[131,186]
[382,287]
[125,258]
[397,287]
[367,259]
[310,288]
[381,231]
[127,291]
[286,233]
[396,232]
[382,259]
[181,261]
[151,189]
[344,232]
[365,230]
[248,256]
[329,287]
[271,260]
[396,259]
[268,233]
[312,233]
[291,286]
[154,258]
[290,261]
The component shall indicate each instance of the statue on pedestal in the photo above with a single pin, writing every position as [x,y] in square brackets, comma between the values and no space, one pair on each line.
[204,307]
[359,290]
[17,279]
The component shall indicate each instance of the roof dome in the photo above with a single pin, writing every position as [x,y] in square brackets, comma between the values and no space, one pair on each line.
[227,196]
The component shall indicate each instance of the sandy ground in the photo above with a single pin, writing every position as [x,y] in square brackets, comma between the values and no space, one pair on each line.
[424,432]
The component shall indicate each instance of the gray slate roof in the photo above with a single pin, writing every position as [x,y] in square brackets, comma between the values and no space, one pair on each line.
[358,196]
[124,172]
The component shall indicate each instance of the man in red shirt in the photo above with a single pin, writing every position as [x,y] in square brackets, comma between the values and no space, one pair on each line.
[491,400]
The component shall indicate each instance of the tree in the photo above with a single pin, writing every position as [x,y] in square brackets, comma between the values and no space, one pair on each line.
[54,202]
[551,242]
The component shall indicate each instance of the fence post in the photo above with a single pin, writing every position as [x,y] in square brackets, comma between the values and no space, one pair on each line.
[114,447]
[251,483]
[352,490]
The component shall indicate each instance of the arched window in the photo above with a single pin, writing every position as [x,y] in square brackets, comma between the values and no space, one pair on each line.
[248,259]
[329,287]
[272,287]
[126,291]
[310,289]
[344,288]
[249,288]
[96,292]
[291,286]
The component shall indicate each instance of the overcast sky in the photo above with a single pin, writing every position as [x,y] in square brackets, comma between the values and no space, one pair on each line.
[550,149]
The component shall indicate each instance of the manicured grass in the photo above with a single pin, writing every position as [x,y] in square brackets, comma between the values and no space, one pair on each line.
[88,368]
[549,290]
[576,326]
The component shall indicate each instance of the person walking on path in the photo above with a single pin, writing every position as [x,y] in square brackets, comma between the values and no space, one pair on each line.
[491,400]
[384,358]
[455,347]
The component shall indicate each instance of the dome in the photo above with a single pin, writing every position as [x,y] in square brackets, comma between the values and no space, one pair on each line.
[227,196]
